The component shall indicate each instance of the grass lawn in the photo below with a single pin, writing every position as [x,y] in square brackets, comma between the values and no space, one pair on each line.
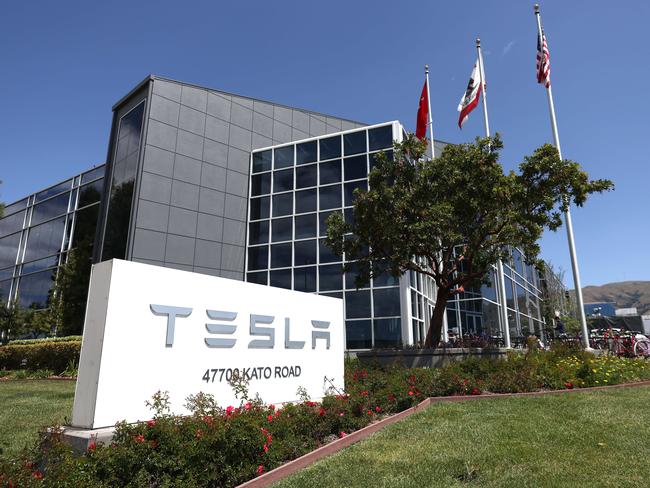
[574,440]
[26,406]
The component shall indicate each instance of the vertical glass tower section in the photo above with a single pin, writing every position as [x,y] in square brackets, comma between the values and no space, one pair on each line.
[122,180]
[293,189]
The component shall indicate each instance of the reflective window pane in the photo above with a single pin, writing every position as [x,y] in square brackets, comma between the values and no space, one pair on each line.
[281,255]
[14,207]
[306,176]
[5,289]
[330,197]
[354,142]
[283,157]
[306,152]
[34,289]
[55,190]
[259,208]
[325,253]
[380,138]
[385,279]
[258,277]
[282,204]
[306,226]
[45,239]
[349,188]
[304,279]
[357,304]
[261,161]
[258,232]
[50,209]
[388,332]
[330,277]
[280,278]
[93,174]
[304,252]
[386,302]
[306,201]
[330,172]
[261,184]
[348,214]
[355,168]
[330,148]
[258,257]
[40,265]
[91,193]
[358,334]
[9,250]
[12,223]
[282,229]
[283,180]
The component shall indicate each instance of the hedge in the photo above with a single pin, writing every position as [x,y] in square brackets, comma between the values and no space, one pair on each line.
[74,338]
[55,356]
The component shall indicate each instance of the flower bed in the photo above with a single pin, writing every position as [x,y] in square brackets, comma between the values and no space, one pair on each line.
[226,446]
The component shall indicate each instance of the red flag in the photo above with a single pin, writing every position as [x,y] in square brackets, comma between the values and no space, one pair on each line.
[423,114]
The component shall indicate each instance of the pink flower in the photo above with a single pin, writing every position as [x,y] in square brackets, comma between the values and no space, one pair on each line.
[342,435]
[38,475]
[321,412]
[260,469]
[342,414]
[247,405]
[269,418]
[92,446]
[229,410]
[271,407]
[207,419]
[411,393]
[151,423]
[266,448]
[377,409]
[139,438]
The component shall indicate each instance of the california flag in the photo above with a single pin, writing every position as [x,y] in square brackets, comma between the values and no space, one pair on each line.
[470,98]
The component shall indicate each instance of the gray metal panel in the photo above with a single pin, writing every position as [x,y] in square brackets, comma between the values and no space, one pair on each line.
[211,201]
[155,188]
[207,254]
[158,161]
[187,169]
[152,216]
[192,120]
[185,195]
[213,177]
[149,244]
[182,222]
[179,250]
[209,227]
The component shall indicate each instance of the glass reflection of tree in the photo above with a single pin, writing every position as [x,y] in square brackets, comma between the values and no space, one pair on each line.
[117,222]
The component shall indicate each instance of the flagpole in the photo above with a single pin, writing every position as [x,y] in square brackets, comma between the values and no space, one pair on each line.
[567,213]
[501,275]
[445,324]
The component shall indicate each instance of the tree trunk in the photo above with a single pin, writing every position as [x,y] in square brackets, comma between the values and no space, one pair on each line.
[435,327]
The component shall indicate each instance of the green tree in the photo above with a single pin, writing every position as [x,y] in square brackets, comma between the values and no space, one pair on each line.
[453,217]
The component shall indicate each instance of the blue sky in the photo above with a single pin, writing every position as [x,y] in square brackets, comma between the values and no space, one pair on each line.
[66,63]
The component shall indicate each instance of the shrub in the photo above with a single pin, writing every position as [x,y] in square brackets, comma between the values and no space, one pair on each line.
[55,356]
[75,338]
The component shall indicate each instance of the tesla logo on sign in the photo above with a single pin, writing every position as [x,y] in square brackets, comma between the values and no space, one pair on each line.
[260,327]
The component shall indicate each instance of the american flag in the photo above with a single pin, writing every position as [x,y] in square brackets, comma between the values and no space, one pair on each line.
[543,62]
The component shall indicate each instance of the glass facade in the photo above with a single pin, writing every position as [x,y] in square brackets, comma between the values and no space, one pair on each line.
[37,232]
[476,311]
[125,165]
[293,189]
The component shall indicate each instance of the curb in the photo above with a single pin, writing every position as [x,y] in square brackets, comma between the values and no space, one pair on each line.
[49,378]
[310,458]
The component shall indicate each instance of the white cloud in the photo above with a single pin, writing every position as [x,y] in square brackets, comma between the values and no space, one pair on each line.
[506,49]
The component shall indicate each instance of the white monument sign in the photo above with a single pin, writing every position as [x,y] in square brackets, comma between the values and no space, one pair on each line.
[150,328]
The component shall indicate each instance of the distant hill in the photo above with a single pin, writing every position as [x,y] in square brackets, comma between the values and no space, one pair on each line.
[625,294]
